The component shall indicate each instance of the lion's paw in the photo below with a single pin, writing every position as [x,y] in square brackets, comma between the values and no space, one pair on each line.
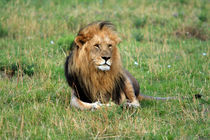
[132,104]
[96,105]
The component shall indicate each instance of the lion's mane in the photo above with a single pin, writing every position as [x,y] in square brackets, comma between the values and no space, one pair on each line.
[90,84]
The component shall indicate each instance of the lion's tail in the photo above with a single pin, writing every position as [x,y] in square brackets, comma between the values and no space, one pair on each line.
[145,97]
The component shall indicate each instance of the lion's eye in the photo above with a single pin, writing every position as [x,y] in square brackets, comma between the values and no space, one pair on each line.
[97,46]
[110,46]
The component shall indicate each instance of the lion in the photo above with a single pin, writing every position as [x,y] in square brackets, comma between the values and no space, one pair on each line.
[95,73]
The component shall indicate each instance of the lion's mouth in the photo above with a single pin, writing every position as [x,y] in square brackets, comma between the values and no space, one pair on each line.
[104,67]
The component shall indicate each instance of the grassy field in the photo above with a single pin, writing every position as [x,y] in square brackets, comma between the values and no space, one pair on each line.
[165,45]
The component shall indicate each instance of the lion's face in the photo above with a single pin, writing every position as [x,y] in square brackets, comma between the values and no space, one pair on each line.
[101,48]
[98,46]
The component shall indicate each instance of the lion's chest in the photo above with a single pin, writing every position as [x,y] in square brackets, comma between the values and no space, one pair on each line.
[106,88]
[90,87]
[100,88]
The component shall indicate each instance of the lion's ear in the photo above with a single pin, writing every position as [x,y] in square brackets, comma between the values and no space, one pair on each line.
[118,40]
[80,41]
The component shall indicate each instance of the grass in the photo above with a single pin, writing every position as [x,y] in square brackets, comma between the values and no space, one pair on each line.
[165,45]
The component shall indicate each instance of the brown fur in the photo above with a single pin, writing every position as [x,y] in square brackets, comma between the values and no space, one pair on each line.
[99,83]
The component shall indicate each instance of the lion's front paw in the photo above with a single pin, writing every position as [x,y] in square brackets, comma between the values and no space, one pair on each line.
[96,105]
[132,104]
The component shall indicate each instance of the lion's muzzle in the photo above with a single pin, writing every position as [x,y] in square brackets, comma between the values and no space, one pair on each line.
[106,65]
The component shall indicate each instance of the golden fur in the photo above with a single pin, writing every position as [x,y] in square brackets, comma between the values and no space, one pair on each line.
[94,70]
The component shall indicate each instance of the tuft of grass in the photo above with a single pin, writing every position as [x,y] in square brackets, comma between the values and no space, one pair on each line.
[140,22]
[75,23]
[11,69]
[65,42]
[138,35]
[3,31]
[203,17]
[193,31]
[183,1]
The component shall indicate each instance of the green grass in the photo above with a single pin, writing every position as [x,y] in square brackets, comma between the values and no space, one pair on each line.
[165,45]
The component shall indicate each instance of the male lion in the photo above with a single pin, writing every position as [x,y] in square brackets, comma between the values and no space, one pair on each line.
[94,70]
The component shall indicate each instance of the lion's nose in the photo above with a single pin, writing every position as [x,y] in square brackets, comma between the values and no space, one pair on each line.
[106,58]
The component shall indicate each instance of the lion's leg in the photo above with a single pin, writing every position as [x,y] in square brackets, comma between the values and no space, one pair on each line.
[75,102]
[130,94]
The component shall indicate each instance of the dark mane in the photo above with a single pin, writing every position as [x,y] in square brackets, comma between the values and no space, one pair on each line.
[101,25]
[106,24]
